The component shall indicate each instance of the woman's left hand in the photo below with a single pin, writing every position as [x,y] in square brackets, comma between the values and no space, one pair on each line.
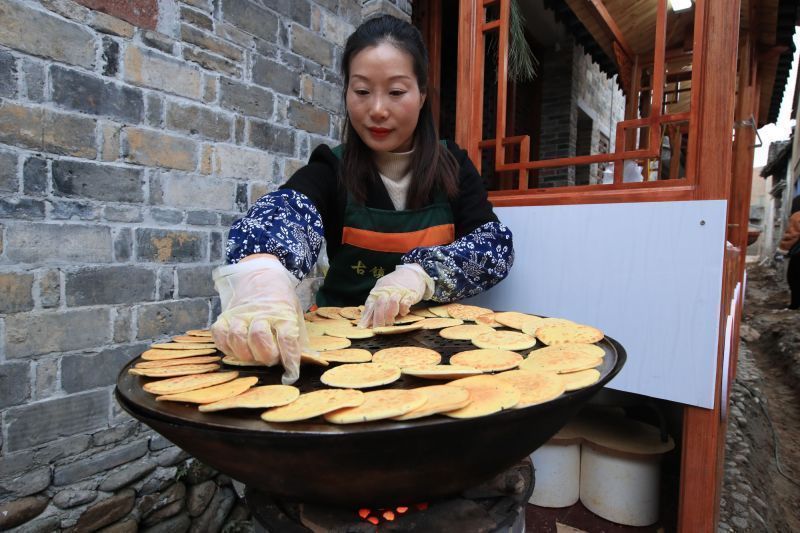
[394,294]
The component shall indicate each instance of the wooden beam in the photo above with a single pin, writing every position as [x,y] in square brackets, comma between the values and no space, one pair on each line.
[469,92]
[771,53]
[601,11]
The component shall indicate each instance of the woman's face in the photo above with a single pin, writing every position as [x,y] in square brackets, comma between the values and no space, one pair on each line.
[383,98]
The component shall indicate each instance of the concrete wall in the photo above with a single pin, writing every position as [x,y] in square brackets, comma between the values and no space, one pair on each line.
[131,135]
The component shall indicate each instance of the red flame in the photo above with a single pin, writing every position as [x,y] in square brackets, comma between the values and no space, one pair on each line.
[375,516]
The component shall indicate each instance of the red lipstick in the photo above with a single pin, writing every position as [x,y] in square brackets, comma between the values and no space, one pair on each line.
[379,132]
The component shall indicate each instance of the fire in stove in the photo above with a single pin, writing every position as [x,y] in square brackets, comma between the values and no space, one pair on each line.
[376,516]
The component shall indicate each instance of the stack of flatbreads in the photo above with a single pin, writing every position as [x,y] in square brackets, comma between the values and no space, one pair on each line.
[504,370]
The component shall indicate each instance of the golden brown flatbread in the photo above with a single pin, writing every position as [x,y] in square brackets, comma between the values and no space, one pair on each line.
[201,360]
[314,404]
[321,344]
[560,361]
[467,312]
[256,398]
[378,405]
[173,371]
[487,395]
[360,375]
[440,311]
[347,355]
[465,332]
[182,345]
[187,383]
[439,323]
[211,394]
[403,356]
[352,313]
[590,349]
[394,330]
[514,319]
[441,371]
[534,387]
[487,360]
[440,398]
[190,339]
[160,355]
[329,312]
[580,379]
[572,333]
[488,320]
[348,331]
[423,312]
[504,340]
[199,333]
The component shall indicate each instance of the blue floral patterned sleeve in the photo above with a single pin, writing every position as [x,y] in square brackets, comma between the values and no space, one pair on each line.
[284,223]
[469,265]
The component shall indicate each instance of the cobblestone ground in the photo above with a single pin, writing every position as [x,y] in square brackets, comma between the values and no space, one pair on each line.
[764,414]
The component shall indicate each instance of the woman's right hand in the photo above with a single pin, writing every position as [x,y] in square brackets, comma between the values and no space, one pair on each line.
[261,317]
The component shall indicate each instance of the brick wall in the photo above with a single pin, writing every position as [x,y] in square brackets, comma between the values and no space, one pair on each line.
[131,135]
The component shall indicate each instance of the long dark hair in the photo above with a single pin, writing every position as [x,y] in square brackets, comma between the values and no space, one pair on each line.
[433,166]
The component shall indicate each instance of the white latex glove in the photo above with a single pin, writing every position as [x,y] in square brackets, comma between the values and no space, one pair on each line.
[261,316]
[394,294]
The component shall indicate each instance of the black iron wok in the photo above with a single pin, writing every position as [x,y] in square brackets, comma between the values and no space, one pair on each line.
[377,463]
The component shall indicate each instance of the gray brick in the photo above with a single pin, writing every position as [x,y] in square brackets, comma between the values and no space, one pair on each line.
[123,213]
[54,37]
[9,182]
[123,245]
[158,149]
[31,482]
[46,243]
[200,121]
[78,179]
[308,44]
[167,246]
[110,285]
[155,110]
[34,176]
[297,10]
[12,464]
[251,18]
[201,20]
[15,383]
[74,210]
[192,191]
[246,99]
[46,421]
[98,462]
[69,498]
[165,216]
[212,62]
[202,218]
[158,41]
[170,318]
[271,138]
[46,130]
[122,324]
[47,383]
[110,57]
[159,442]
[81,92]
[50,289]
[114,434]
[89,371]
[163,73]
[217,246]
[166,284]
[16,292]
[41,333]
[127,475]
[275,76]
[8,75]
[22,208]
[210,43]
[195,282]
[309,118]
[63,448]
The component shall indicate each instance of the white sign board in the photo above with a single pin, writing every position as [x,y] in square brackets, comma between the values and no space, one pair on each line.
[648,274]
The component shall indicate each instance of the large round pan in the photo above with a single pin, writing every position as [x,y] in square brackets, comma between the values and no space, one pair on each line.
[378,463]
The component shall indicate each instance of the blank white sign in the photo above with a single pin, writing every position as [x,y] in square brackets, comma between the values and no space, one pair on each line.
[648,274]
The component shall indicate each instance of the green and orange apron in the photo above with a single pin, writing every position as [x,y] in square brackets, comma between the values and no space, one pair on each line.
[374,241]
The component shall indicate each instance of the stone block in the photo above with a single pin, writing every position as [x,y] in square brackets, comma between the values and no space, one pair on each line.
[110,285]
[34,176]
[41,333]
[48,243]
[196,18]
[142,13]
[199,497]
[246,99]
[170,318]
[159,442]
[17,512]
[157,149]
[68,134]
[123,213]
[98,462]
[171,457]
[271,138]
[192,191]
[70,498]
[211,88]
[35,76]
[28,484]
[15,383]
[50,289]
[112,25]
[159,41]
[156,507]
[16,292]
[162,73]
[195,282]
[217,246]
[110,57]
[309,118]
[336,29]
[82,92]
[106,511]
[202,218]
[8,75]
[169,246]
[212,62]
[61,448]
[177,524]
[82,372]
[197,120]
[296,10]
[253,19]
[237,162]
[123,244]
[241,197]
[276,76]
[155,110]
[45,421]
[22,208]
[166,284]
[308,44]
[9,181]
[128,525]
[210,43]
[122,324]
[20,125]
[47,382]
[213,518]
[126,475]
[322,94]
[74,210]
[54,38]
[160,480]
[80,179]
[235,35]
[162,215]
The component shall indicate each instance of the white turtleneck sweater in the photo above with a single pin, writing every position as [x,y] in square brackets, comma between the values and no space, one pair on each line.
[395,171]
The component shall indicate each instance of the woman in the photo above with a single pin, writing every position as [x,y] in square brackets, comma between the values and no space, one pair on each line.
[405,217]
[790,239]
